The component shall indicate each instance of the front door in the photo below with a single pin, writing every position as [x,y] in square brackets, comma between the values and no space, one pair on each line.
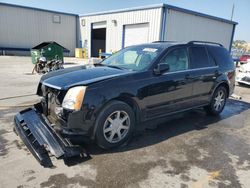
[172,90]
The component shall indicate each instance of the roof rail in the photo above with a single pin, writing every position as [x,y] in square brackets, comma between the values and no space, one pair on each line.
[205,42]
[163,41]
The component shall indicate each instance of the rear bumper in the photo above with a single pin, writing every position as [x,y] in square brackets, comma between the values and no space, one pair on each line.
[40,138]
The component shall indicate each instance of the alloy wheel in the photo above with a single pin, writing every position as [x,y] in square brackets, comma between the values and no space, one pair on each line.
[219,100]
[116,126]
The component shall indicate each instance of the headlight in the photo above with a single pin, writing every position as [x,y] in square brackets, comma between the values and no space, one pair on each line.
[74,97]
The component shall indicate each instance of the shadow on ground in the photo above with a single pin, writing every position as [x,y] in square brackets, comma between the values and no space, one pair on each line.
[168,128]
[173,126]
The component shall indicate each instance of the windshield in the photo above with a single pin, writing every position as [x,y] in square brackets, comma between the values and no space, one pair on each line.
[135,58]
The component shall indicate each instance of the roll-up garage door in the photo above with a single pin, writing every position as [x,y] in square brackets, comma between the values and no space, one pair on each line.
[135,34]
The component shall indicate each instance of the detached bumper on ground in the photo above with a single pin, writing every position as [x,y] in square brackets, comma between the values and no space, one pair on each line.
[40,138]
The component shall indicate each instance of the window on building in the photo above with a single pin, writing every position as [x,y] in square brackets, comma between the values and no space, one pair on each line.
[56,19]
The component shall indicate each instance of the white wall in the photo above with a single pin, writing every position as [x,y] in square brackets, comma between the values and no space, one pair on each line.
[114,37]
[186,27]
[26,28]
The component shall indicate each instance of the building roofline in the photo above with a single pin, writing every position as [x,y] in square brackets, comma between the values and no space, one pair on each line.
[162,5]
[124,10]
[39,9]
[199,14]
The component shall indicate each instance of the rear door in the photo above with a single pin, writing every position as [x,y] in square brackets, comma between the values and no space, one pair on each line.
[204,73]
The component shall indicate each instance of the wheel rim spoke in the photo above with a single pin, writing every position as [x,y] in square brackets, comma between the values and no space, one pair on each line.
[124,127]
[119,134]
[110,120]
[108,129]
[118,114]
[111,136]
[124,119]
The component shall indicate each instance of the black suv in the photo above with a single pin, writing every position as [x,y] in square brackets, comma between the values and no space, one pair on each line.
[106,101]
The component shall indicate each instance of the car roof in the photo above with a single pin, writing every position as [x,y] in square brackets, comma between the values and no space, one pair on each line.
[159,44]
[167,44]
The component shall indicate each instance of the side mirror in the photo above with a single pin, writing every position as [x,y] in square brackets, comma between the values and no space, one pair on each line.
[160,68]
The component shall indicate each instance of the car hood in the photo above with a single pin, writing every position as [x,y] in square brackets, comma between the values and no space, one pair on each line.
[80,75]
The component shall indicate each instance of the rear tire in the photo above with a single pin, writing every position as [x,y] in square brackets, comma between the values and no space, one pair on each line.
[218,101]
[114,125]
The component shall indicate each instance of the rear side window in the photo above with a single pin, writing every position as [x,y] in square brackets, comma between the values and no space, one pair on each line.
[199,58]
[222,57]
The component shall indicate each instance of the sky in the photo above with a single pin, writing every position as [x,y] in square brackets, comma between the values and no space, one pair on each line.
[219,8]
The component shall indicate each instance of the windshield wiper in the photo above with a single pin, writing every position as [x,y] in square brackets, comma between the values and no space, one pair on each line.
[111,66]
[116,67]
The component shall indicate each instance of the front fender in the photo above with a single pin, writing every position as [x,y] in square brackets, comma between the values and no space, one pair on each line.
[96,99]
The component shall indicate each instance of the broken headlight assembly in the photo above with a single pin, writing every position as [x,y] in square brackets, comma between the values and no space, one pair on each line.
[74,98]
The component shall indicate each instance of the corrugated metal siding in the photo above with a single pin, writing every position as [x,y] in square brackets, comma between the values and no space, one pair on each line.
[114,36]
[185,27]
[25,28]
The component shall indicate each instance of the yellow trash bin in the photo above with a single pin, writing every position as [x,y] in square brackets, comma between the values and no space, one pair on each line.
[78,53]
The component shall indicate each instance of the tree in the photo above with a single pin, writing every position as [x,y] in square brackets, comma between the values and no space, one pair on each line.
[241,46]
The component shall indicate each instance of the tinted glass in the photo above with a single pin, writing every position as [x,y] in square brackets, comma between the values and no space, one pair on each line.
[211,59]
[222,57]
[134,58]
[176,59]
[199,58]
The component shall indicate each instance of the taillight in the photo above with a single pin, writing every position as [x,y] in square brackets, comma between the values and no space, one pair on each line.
[230,75]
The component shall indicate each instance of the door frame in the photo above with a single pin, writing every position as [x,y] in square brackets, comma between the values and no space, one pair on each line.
[91,29]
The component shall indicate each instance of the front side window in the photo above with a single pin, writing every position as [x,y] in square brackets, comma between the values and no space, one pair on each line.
[177,59]
[134,58]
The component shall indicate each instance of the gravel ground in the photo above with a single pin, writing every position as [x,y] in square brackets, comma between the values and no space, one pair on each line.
[188,150]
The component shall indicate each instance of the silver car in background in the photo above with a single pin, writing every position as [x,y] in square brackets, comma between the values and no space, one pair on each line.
[243,76]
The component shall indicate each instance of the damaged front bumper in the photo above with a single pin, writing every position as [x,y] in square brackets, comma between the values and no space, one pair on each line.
[40,138]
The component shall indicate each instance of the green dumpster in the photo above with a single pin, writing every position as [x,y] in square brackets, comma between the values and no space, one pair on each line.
[49,50]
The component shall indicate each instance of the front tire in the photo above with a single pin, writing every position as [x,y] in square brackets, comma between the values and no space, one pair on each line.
[218,101]
[115,124]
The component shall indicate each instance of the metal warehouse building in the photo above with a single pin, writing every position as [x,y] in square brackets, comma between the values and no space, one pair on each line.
[113,30]
[22,28]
